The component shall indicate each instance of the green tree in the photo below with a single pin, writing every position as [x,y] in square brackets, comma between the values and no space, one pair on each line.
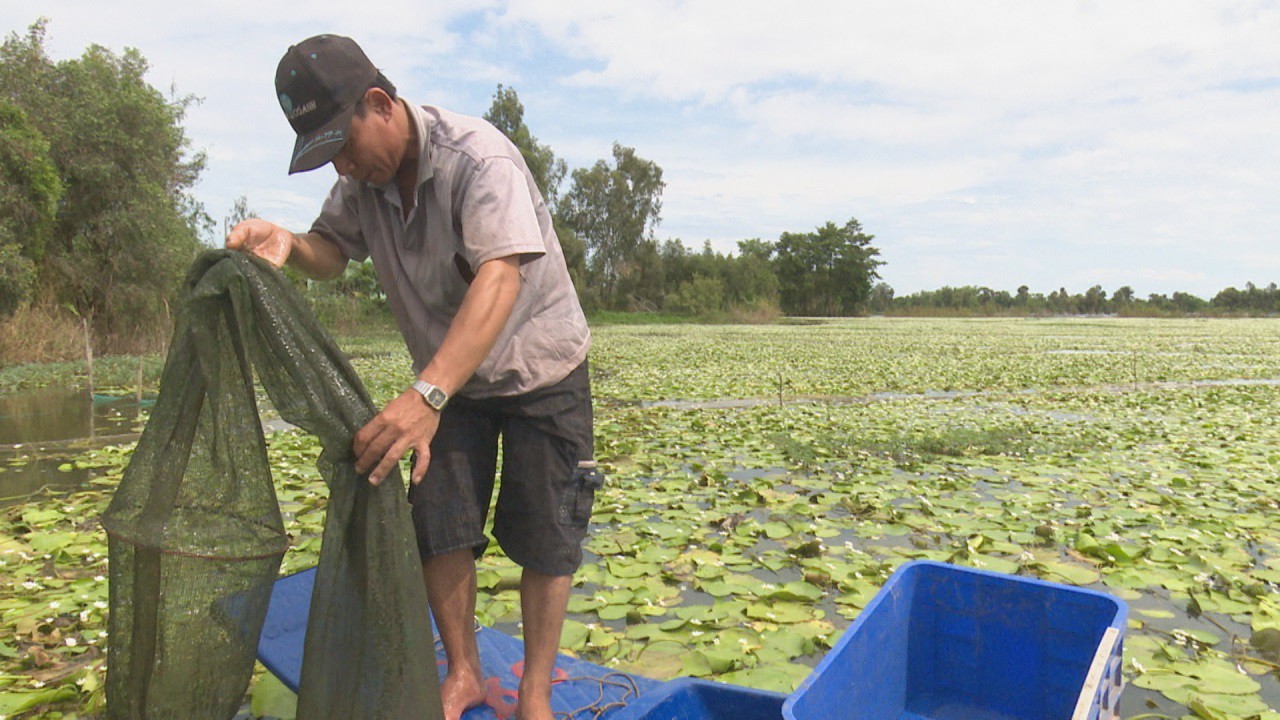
[507,114]
[1094,301]
[828,271]
[614,209]
[29,195]
[127,226]
[749,278]
[881,299]
[700,296]
[643,285]
[1188,304]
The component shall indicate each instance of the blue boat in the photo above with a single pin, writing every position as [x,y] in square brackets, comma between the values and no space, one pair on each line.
[938,642]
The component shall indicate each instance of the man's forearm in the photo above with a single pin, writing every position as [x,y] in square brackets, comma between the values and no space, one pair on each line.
[316,257]
[480,320]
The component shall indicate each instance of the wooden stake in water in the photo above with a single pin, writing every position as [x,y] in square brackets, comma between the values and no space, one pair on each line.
[88,363]
[88,353]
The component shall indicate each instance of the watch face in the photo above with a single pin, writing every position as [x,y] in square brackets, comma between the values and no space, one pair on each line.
[436,397]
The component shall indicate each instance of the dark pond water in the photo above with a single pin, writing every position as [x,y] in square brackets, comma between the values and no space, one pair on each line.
[41,431]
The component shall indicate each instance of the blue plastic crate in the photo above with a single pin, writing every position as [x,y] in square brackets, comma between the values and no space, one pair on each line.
[694,699]
[943,642]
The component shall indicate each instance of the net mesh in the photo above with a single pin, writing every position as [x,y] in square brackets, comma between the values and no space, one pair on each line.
[196,536]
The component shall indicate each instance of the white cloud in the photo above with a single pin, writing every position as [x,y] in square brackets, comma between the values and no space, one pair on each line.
[989,142]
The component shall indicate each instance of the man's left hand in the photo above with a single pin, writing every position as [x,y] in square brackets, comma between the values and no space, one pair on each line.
[405,424]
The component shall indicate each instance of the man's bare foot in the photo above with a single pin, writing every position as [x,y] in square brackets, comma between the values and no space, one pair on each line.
[461,691]
[534,703]
[524,711]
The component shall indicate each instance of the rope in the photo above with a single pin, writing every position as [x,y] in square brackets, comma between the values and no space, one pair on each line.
[599,707]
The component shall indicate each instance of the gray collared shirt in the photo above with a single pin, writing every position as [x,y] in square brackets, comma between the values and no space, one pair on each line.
[476,201]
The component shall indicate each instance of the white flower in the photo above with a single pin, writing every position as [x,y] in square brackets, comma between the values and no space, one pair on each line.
[101,605]
[54,604]
[71,642]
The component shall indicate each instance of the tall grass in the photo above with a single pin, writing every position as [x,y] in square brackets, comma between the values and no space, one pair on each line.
[40,334]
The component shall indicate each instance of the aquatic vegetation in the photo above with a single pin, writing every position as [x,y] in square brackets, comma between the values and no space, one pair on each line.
[765,480]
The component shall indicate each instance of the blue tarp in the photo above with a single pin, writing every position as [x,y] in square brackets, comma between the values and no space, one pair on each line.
[578,686]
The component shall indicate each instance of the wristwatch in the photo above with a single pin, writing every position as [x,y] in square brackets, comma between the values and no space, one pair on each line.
[434,396]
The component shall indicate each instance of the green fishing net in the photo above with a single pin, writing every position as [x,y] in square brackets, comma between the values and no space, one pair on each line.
[196,535]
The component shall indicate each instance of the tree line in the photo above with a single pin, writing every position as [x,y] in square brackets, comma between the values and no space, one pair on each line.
[606,220]
[98,224]
[978,301]
[97,218]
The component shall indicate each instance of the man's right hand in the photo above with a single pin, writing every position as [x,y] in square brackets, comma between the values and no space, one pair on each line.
[264,239]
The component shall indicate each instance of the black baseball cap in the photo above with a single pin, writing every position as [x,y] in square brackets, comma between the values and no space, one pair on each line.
[319,81]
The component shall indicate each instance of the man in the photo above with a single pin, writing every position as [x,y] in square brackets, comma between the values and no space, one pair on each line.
[463,245]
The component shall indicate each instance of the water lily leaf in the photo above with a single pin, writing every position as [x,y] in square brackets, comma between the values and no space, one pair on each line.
[579,603]
[601,638]
[625,568]
[270,698]
[777,530]
[744,640]
[708,571]
[1072,573]
[613,612]
[789,645]
[783,678]
[995,564]
[780,612]
[12,703]
[713,661]
[673,624]
[1204,637]
[696,664]
[1226,707]
[702,614]
[573,635]
[48,542]
[793,591]
[661,661]
[1162,681]
[1223,679]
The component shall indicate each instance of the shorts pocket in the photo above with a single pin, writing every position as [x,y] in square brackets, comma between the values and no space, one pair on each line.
[580,494]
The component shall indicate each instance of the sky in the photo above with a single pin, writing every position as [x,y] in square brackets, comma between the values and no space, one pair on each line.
[981,142]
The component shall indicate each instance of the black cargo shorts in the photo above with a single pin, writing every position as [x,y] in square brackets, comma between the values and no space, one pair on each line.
[548,484]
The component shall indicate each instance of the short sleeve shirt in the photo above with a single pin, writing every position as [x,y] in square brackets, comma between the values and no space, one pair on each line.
[476,201]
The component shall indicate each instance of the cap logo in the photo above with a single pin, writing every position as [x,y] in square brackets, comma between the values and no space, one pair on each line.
[301,110]
[286,103]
